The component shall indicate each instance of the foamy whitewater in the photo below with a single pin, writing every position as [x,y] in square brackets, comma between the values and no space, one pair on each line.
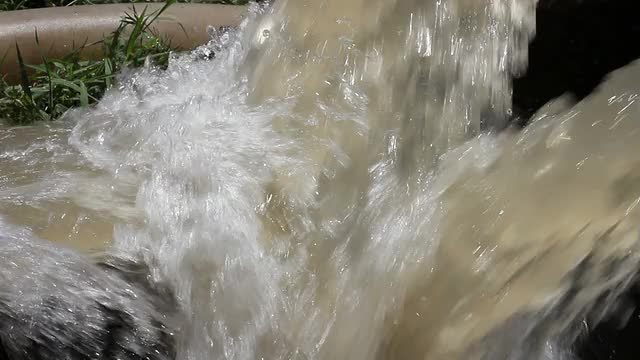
[339,183]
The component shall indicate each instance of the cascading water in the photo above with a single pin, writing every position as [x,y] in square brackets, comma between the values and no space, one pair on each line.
[338,183]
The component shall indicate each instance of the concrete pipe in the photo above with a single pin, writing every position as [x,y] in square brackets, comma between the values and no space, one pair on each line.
[62,29]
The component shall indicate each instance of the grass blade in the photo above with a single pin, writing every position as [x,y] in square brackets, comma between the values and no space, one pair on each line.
[108,71]
[45,61]
[138,28]
[68,84]
[166,5]
[24,78]
[39,68]
[84,95]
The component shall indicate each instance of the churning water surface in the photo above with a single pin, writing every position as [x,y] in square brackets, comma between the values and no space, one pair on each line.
[339,182]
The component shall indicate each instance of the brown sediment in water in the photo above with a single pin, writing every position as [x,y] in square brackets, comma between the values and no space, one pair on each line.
[295,232]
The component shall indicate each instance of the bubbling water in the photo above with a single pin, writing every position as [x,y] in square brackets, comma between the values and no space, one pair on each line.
[338,183]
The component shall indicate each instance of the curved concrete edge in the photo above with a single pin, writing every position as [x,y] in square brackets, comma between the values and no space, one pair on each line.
[61,29]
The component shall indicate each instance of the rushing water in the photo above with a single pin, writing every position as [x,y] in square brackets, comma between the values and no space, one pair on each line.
[338,183]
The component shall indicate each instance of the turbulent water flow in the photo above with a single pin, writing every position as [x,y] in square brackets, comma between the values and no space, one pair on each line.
[338,183]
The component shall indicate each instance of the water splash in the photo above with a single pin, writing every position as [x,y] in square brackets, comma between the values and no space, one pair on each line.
[333,185]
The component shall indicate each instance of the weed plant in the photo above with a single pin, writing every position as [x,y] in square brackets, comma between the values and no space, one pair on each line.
[10,5]
[48,90]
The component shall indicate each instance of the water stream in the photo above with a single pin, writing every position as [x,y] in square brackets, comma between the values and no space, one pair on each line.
[340,182]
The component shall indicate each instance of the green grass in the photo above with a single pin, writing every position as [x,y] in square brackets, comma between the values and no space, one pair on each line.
[9,5]
[56,85]
[47,90]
